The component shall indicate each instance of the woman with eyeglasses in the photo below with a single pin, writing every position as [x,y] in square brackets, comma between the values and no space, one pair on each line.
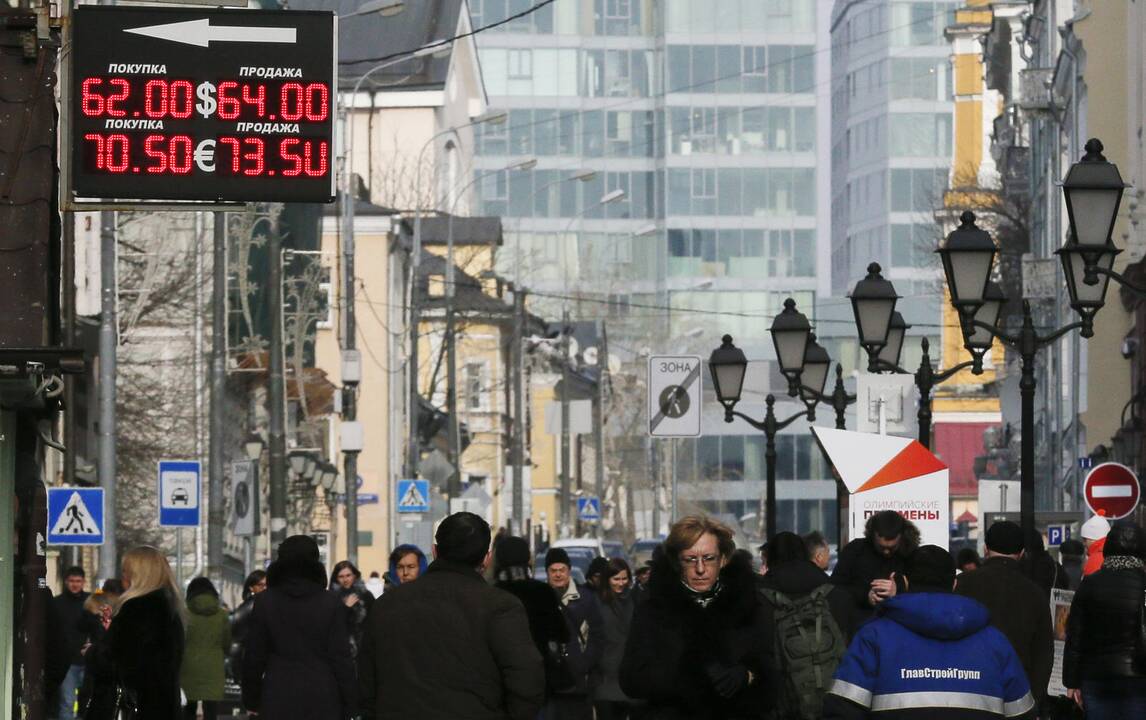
[700,646]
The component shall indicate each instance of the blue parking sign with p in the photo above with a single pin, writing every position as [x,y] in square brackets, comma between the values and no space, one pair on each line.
[1057,535]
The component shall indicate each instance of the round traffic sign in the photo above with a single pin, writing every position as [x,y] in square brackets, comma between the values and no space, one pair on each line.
[674,401]
[1111,490]
[242,499]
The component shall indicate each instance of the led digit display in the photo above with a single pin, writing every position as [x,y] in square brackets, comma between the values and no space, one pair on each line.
[181,104]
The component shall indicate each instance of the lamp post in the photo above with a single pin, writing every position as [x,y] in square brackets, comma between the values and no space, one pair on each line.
[728,366]
[968,256]
[253,446]
[1093,190]
[873,303]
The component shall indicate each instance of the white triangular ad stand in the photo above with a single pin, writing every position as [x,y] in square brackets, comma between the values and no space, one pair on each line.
[75,522]
[412,498]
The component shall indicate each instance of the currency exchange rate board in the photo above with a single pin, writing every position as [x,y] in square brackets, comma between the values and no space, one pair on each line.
[215,105]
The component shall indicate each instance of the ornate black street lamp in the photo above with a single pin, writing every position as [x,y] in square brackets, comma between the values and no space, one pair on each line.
[873,302]
[727,365]
[809,377]
[790,330]
[963,262]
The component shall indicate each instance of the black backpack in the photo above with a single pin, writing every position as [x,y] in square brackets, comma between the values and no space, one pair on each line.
[809,646]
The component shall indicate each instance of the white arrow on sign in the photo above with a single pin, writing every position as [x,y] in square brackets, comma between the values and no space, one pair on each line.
[202,33]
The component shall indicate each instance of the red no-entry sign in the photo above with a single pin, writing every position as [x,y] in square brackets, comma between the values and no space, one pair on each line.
[1111,489]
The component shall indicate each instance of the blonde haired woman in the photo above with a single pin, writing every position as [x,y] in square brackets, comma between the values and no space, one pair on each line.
[143,647]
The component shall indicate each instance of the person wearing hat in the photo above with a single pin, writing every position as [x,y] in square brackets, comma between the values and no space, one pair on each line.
[929,654]
[1017,605]
[586,639]
[511,560]
[1094,532]
[296,661]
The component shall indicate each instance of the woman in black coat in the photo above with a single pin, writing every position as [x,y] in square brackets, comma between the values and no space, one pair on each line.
[609,700]
[546,623]
[1102,665]
[346,582]
[255,583]
[700,647]
[296,663]
[142,649]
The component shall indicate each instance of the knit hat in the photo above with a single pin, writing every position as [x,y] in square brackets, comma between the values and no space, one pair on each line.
[1005,538]
[557,555]
[511,552]
[302,548]
[1095,528]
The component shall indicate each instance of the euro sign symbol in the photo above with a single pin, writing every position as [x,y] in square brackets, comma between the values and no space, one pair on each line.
[207,104]
[205,155]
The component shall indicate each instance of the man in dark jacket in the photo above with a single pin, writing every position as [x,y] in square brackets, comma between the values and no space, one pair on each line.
[449,645]
[1018,607]
[810,616]
[1044,570]
[67,611]
[1073,554]
[546,622]
[929,654]
[586,638]
[296,661]
[870,568]
[700,646]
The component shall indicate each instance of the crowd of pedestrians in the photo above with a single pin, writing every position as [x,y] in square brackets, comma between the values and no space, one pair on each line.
[897,630]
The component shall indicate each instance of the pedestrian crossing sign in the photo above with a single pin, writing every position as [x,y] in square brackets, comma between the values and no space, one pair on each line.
[589,509]
[75,516]
[413,496]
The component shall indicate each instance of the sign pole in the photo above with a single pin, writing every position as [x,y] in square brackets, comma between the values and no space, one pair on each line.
[179,557]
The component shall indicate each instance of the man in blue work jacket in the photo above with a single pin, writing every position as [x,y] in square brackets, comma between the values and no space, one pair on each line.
[929,654]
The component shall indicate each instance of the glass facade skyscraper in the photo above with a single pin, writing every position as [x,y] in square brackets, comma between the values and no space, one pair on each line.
[713,119]
[892,140]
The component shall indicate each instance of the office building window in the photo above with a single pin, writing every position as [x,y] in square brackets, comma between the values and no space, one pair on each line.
[520,64]
[920,135]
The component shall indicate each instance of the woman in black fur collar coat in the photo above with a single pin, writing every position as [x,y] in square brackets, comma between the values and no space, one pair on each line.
[700,646]
[142,649]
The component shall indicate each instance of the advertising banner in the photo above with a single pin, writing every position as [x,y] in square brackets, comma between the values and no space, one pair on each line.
[887,472]
[1060,611]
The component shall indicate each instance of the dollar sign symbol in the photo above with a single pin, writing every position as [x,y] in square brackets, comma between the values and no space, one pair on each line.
[207,104]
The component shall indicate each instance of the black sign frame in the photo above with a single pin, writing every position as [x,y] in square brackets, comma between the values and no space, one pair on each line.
[183,105]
